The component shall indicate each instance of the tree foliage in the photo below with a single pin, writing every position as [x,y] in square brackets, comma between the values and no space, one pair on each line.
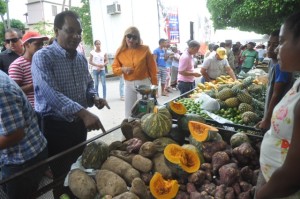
[251,15]
[44,28]
[14,23]
[84,14]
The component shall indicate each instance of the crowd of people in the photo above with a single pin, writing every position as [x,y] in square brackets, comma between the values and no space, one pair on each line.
[45,92]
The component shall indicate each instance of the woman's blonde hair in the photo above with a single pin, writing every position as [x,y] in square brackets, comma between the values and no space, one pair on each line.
[131,30]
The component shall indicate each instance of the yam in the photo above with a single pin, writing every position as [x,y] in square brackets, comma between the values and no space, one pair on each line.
[139,188]
[127,195]
[117,145]
[148,150]
[210,148]
[146,177]
[245,186]
[122,168]
[160,166]
[244,153]
[182,195]
[209,188]
[195,195]
[190,187]
[82,185]
[139,133]
[206,166]
[247,174]
[220,192]
[114,186]
[229,193]
[244,195]
[124,155]
[142,164]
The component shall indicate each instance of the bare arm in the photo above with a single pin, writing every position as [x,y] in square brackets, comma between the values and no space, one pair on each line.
[27,88]
[205,75]
[286,179]
[11,139]
[189,73]
[230,72]
[91,61]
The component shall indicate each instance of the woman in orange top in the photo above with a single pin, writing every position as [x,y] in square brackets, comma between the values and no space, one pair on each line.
[136,63]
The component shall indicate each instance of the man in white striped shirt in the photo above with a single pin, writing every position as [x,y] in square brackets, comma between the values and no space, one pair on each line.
[20,69]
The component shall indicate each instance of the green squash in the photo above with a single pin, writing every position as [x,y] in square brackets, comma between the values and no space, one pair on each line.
[94,155]
[158,123]
[184,121]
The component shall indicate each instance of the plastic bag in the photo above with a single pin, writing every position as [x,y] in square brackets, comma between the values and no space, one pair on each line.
[208,103]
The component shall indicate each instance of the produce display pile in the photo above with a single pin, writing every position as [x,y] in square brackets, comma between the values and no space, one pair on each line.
[157,161]
[241,102]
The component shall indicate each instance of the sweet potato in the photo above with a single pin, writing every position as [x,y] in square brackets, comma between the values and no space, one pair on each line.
[133,145]
[182,195]
[148,150]
[195,195]
[247,174]
[122,168]
[141,163]
[220,192]
[82,185]
[197,178]
[114,186]
[161,166]
[139,188]
[219,159]
[229,193]
[190,187]
[209,188]
[229,174]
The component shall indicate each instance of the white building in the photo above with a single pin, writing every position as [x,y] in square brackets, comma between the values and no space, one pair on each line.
[43,11]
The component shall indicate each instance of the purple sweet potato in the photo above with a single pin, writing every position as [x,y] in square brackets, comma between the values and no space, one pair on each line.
[195,195]
[229,174]
[210,148]
[237,189]
[206,166]
[219,159]
[220,192]
[190,187]
[244,195]
[229,193]
[133,145]
[244,153]
[247,174]
[209,188]
[197,178]
[245,186]
[182,195]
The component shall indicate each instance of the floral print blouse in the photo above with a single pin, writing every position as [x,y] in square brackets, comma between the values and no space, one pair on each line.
[276,141]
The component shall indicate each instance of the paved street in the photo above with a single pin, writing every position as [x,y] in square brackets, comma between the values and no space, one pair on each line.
[113,117]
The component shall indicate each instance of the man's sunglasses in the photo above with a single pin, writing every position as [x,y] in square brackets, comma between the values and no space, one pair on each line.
[130,36]
[13,40]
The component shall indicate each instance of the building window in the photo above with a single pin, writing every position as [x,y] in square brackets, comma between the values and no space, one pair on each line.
[54,10]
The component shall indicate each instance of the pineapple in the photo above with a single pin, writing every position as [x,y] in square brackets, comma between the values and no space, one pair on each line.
[244,97]
[232,102]
[225,94]
[244,107]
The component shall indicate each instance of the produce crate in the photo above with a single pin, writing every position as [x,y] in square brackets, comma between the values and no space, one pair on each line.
[46,185]
[229,126]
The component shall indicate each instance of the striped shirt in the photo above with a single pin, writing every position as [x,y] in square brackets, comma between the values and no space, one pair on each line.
[17,113]
[62,84]
[20,70]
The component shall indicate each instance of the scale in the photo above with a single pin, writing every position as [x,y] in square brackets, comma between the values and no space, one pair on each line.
[146,103]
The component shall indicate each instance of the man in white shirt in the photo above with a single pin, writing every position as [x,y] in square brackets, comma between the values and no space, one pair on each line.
[216,65]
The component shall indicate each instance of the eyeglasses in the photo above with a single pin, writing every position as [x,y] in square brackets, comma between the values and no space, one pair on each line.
[13,40]
[130,36]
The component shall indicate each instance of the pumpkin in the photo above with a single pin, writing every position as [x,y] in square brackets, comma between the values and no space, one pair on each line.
[94,155]
[158,123]
[202,132]
[184,121]
[163,189]
[180,158]
[196,150]
[176,109]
